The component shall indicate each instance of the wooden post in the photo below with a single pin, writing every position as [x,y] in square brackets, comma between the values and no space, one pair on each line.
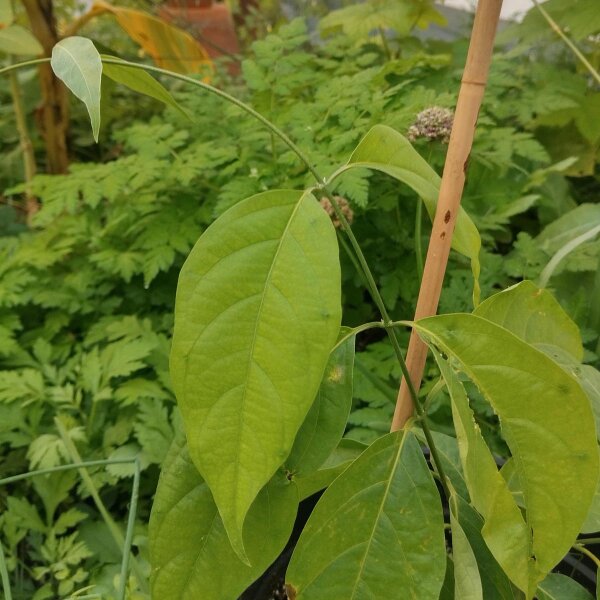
[53,114]
[470,96]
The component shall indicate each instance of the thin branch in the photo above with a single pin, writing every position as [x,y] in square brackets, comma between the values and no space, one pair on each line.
[587,553]
[563,36]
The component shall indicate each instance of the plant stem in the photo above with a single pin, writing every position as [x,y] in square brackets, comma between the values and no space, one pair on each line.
[114,529]
[453,179]
[22,65]
[557,29]
[80,466]
[384,43]
[348,250]
[592,540]
[587,553]
[135,488]
[31,204]
[70,467]
[4,575]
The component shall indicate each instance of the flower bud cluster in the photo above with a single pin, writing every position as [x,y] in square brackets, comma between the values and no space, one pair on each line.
[434,123]
[344,207]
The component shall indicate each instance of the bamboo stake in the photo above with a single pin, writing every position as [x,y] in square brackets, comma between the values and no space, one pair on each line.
[470,96]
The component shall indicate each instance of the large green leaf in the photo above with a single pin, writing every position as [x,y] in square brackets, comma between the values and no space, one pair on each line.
[561,587]
[191,556]
[141,82]
[388,151]
[534,315]
[377,528]
[467,582]
[257,313]
[326,420]
[546,420]
[18,40]
[77,63]
[505,532]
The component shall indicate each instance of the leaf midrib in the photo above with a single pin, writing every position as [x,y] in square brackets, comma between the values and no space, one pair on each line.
[72,56]
[254,336]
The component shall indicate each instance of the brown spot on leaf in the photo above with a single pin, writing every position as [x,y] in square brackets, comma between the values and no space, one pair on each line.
[447,216]
[290,591]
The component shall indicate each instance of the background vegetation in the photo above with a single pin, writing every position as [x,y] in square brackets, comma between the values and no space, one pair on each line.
[87,286]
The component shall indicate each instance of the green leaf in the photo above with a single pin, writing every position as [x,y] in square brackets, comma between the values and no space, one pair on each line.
[142,82]
[505,531]
[338,461]
[561,587]
[190,554]
[377,528]
[257,313]
[359,20]
[326,420]
[568,227]
[587,376]
[546,421]
[447,591]
[467,582]
[495,583]
[592,521]
[6,12]
[533,315]
[449,454]
[386,150]
[77,63]
[18,40]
